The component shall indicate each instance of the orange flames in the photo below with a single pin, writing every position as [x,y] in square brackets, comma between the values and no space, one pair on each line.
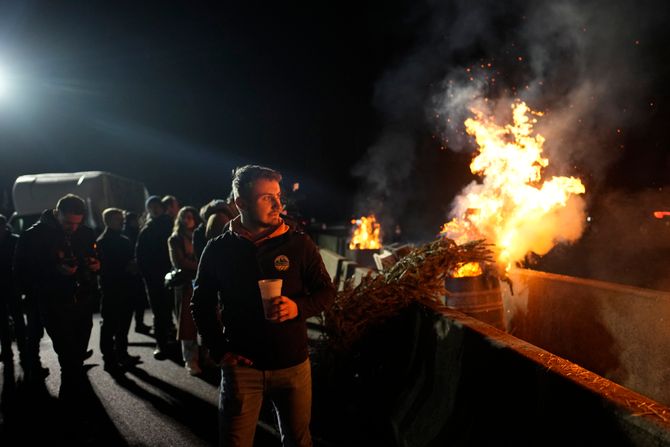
[366,234]
[661,214]
[469,269]
[513,207]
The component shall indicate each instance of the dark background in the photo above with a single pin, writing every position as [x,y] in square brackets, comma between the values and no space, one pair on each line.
[339,96]
[176,94]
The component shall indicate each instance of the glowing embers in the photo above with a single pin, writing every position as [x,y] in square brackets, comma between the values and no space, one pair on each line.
[512,206]
[366,234]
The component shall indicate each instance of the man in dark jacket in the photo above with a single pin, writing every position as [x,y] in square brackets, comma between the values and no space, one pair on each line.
[153,258]
[131,230]
[10,304]
[58,259]
[117,265]
[260,357]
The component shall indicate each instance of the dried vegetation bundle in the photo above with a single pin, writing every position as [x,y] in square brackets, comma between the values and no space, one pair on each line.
[417,277]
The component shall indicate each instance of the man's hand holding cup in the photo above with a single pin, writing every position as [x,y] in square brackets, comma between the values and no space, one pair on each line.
[277,308]
[283,308]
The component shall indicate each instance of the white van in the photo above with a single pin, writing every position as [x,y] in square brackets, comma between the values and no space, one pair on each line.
[33,193]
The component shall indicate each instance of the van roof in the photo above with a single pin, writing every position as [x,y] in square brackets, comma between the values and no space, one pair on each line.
[33,193]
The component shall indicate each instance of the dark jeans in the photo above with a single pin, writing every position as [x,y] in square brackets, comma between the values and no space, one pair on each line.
[139,297]
[34,333]
[117,313]
[70,328]
[242,392]
[160,301]
[10,307]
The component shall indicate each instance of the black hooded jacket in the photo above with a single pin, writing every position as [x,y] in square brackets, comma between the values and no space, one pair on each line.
[39,252]
[152,252]
[116,253]
[229,270]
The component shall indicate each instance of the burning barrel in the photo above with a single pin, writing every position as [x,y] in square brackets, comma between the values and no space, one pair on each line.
[478,296]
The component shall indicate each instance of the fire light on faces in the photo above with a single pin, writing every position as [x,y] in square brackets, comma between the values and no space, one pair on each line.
[366,234]
[513,207]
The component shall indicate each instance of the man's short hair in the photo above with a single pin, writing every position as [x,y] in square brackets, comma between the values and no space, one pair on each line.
[245,177]
[210,208]
[108,213]
[71,204]
[153,200]
[168,201]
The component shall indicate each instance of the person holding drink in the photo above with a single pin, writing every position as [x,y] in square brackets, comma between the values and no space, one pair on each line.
[58,257]
[261,346]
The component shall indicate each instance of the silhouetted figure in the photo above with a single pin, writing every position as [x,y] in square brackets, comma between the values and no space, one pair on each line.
[171,205]
[131,230]
[153,259]
[117,265]
[58,253]
[10,304]
[210,227]
[183,258]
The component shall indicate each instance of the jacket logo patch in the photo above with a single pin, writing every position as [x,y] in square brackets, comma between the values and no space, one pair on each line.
[281,263]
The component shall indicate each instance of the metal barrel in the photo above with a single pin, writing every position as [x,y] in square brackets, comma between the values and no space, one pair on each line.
[477,296]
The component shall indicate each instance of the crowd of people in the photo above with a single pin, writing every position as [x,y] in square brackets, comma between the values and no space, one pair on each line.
[198,270]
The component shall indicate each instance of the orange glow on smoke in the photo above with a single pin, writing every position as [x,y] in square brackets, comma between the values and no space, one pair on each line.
[366,234]
[512,206]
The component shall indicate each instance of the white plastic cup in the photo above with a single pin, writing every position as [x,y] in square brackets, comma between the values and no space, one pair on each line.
[270,288]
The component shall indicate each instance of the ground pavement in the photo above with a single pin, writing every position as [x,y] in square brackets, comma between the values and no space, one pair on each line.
[155,403]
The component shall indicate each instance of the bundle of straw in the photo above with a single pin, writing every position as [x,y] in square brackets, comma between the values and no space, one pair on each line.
[419,276]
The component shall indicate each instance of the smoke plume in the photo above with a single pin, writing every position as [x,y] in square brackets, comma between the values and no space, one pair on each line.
[586,64]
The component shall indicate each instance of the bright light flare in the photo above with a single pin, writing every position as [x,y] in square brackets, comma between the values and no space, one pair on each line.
[4,84]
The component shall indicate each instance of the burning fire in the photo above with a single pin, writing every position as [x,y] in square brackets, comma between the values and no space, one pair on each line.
[366,235]
[661,214]
[469,269]
[513,207]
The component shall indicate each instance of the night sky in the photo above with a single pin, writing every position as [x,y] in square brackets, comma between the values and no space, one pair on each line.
[340,96]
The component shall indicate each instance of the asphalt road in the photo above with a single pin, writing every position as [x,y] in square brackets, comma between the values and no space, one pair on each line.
[154,404]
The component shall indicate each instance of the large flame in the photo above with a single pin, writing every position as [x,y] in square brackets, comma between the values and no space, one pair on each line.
[513,207]
[366,234]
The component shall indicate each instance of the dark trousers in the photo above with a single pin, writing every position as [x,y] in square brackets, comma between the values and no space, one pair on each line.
[160,302]
[117,313]
[241,396]
[34,333]
[139,297]
[10,308]
[70,327]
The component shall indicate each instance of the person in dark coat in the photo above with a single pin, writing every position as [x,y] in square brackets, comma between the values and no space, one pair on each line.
[153,259]
[261,354]
[117,267]
[131,230]
[210,227]
[60,262]
[183,258]
[10,304]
